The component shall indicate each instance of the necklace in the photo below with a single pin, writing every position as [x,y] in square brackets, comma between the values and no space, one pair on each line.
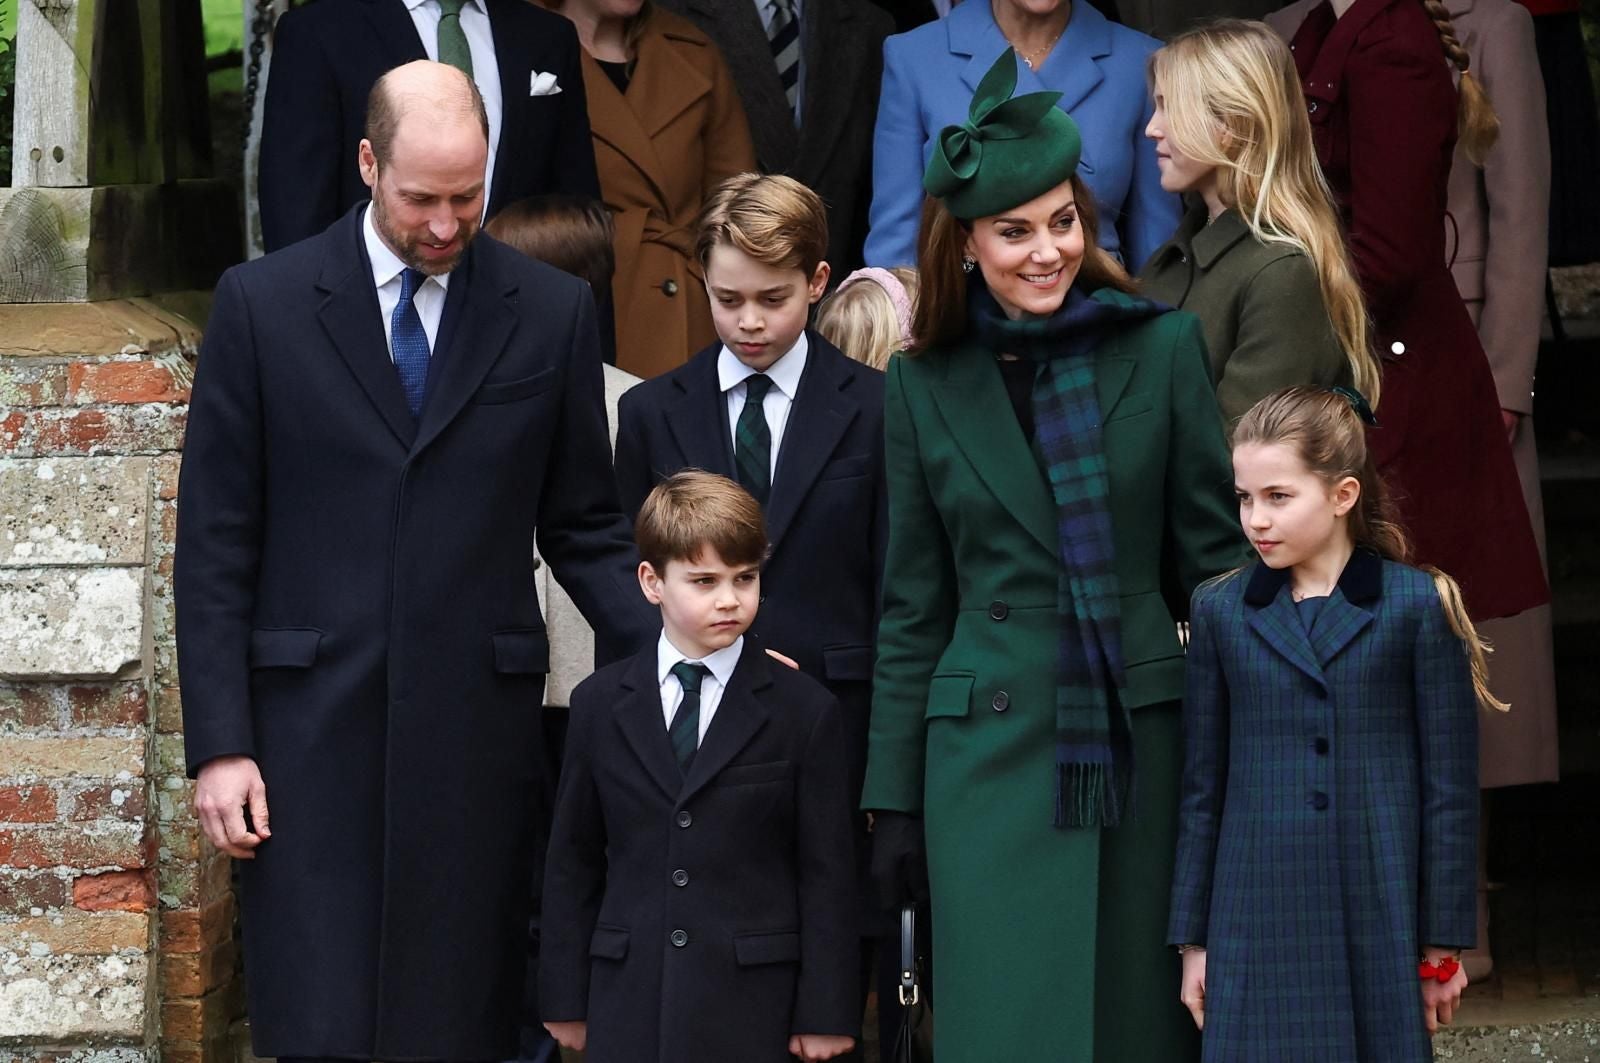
[1036,56]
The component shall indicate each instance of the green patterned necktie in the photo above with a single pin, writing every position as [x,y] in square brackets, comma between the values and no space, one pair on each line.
[685,730]
[452,38]
[752,450]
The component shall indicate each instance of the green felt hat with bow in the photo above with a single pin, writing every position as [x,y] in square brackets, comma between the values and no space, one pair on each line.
[1008,151]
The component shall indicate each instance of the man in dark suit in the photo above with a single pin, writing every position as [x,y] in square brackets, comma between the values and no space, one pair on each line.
[382,417]
[808,74]
[327,55]
[698,895]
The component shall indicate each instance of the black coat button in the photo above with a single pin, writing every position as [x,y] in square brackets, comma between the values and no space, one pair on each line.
[999,610]
[1319,801]
[684,819]
[1321,745]
[680,877]
[679,938]
[536,564]
[1001,701]
[669,287]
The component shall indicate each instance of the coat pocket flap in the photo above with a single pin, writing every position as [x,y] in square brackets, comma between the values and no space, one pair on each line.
[751,950]
[609,943]
[950,694]
[515,390]
[284,647]
[847,662]
[524,651]
[748,774]
[845,468]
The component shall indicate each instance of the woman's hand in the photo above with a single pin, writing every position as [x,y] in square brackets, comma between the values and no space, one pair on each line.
[1441,999]
[814,1047]
[571,1035]
[1193,991]
[899,860]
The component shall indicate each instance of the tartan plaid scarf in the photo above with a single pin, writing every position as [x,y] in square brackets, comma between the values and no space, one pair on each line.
[1094,747]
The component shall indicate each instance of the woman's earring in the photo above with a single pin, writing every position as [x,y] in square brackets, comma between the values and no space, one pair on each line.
[968,263]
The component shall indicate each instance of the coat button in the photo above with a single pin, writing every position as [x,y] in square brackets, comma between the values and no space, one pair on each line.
[680,877]
[1321,746]
[1319,801]
[1312,107]
[684,819]
[536,564]
[999,610]
[1397,348]
[1001,701]
[670,287]
[679,938]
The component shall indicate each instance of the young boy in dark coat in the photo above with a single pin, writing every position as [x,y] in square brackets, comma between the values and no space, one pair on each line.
[779,409]
[699,900]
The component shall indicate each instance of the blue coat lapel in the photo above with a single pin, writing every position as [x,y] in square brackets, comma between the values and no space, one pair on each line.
[1072,68]
[740,715]
[821,415]
[640,719]
[1271,611]
[476,325]
[698,417]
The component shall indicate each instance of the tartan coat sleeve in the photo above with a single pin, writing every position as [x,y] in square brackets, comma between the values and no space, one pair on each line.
[1447,728]
[1205,771]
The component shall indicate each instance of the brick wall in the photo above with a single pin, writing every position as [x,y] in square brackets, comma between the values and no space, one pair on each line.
[116,919]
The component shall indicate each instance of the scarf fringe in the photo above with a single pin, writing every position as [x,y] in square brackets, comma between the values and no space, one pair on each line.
[1092,795]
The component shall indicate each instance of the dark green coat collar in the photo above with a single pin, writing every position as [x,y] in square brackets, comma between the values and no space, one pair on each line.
[1201,242]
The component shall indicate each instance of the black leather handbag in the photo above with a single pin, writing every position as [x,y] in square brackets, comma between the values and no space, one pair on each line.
[915,1043]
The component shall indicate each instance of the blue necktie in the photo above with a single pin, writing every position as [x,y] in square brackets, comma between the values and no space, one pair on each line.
[408,342]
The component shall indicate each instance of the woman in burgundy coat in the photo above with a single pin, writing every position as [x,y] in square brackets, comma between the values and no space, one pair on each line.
[1383,109]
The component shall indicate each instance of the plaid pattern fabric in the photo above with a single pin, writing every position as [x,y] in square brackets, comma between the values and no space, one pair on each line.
[1094,754]
[752,439]
[1328,824]
[685,730]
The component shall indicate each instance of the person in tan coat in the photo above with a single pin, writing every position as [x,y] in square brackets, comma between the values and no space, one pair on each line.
[667,128]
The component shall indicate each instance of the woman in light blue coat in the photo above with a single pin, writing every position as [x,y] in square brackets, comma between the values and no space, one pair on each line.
[930,73]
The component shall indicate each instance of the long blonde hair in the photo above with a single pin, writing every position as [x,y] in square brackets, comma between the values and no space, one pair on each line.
[1320,426]
[1233,101]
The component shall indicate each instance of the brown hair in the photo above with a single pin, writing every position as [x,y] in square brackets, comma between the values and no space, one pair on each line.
[384,112]
[1477,126]
[693,509]
[941,313]
[571,233]
[773,219]
[1322,428]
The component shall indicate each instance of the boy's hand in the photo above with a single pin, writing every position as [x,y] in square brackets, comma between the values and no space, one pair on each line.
[571,1035]
[819,1046]
[1441,999]
[1193,991]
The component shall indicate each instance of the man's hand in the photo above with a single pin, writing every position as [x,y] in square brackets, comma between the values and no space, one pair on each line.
[226,786]
[1193,986]
[1441,999]
[818,1046]
[573,1035]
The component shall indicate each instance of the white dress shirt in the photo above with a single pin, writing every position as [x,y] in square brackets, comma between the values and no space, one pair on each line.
[785,374]
[721,663]
[386,270]
[485,68]
[765,10]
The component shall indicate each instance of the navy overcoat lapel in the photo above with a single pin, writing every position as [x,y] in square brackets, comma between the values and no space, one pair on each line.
[392,24]
[639,718]
[740,716]
[822,412]
[698,418]
[1270,609]
[350,316]
[477,323]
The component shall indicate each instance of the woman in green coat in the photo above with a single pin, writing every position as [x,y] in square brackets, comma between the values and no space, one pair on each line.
[1058,483]
[1259,257]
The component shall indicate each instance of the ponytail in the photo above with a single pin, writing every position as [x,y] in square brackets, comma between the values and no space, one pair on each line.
[1477,126]
[1455,611]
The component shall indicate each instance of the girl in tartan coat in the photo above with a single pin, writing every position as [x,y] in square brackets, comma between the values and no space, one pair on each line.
[1326,853]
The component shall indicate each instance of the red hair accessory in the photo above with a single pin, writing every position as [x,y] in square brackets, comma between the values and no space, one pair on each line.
[1442,971]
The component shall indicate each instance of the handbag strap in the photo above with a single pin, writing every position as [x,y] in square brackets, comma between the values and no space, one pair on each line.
[909,992]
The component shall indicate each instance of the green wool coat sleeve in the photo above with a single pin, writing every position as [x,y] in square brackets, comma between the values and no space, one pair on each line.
[1283,338]
[1203,526]
[919,611]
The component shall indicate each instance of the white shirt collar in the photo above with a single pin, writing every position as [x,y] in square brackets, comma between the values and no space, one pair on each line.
[785,372]
[386,265]
[722,662]
[412,5]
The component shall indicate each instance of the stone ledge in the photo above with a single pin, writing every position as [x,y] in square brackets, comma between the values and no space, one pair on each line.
[1548,1030]
[102,330]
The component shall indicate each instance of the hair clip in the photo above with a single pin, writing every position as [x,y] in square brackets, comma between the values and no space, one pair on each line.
[1358,402]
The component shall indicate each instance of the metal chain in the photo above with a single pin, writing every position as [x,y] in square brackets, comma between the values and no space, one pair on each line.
[252,77]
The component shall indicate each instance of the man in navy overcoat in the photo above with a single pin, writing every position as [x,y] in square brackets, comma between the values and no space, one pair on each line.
[382,418]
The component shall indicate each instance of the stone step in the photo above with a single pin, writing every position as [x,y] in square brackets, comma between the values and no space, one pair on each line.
[1548,1030]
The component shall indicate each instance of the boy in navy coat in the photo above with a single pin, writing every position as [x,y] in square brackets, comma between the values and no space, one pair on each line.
[699,897]
[780,409]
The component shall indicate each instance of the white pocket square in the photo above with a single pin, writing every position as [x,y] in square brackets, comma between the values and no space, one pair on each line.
[542,85]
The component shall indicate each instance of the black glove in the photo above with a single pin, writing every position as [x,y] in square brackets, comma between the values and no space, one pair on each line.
[899,860]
